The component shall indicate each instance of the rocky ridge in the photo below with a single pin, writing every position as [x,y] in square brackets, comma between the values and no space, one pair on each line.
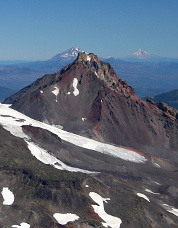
[88,98]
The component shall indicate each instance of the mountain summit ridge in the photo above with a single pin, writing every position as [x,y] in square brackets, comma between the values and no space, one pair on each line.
[86,97]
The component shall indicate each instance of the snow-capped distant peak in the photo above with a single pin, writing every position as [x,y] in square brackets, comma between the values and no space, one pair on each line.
[70,54]
[141,54]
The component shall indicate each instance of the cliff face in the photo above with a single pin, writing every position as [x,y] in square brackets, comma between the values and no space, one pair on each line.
[88,98]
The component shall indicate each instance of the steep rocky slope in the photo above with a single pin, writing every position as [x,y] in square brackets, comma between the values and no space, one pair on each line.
[87,97]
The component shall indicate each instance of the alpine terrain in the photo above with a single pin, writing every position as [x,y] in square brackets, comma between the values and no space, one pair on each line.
[80,149]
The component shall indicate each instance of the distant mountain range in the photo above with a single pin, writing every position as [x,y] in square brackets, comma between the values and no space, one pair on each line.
[148,78]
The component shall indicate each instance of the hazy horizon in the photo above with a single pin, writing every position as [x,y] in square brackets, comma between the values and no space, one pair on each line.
[38,30]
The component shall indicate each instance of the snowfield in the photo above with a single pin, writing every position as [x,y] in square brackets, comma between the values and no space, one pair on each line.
[12,121]
[110,221]
[8,196]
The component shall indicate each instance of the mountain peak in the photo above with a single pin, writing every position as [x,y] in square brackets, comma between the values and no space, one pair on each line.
[70,54]
[87,57]
[140,54]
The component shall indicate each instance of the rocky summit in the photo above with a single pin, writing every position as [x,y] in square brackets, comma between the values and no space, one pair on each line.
[79,149]
[88,98]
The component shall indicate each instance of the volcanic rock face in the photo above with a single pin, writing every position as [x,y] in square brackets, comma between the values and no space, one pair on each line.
[88,98]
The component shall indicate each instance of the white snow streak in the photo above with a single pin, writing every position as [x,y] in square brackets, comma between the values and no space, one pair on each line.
[75,83]
[22,225]
[119,152]
[171,209]
[9,119]
[157,165]
[63,219]
[143,196]
[148,190]
[8,196]
[43,156]
[96,74]
[110,220]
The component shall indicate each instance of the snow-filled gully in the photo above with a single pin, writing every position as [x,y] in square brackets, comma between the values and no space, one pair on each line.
[110,221]
[13,120]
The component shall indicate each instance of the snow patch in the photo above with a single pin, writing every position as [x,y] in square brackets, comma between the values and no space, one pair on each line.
[157,165]
[75,83]
[8,196]
[143,196]
[110,220]
[68,93]
[83,119]
[96,74]
[171,209]
[156,183]
[88,58]
[63,219]
[87,186]
[55,92]
[148,190]
[22,225]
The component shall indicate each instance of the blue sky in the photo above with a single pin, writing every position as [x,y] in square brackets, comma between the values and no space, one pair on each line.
[38,30]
